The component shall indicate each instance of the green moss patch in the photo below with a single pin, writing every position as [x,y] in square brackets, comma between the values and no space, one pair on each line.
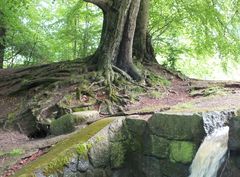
[182,151]
[63,125]
[62,152]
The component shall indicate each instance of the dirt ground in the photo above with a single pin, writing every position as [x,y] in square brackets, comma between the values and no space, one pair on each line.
[176,98]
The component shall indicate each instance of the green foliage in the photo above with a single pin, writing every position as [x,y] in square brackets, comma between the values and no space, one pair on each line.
[155,94]
[182,151]
[82,149]
[157,80]
[186,34]
[16,152]
[12,153]
[45,31]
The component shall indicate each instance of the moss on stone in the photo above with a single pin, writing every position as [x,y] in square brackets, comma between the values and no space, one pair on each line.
[136,126]
[118,152]
[63,125]
[82,149]
[187,127]
[61,154]
[156,146]
[182,151]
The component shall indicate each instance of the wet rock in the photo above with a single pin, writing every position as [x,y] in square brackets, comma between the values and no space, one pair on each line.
[68,173]
[234,134]
[83,165]
[73,164]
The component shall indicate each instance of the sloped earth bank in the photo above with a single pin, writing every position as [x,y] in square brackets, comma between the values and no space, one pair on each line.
[182,95]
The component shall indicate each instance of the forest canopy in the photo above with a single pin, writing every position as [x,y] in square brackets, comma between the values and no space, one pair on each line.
[45,31]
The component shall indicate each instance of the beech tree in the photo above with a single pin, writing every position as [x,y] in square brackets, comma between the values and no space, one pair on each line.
[124,35]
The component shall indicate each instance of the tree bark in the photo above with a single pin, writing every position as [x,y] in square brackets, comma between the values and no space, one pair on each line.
[2,41]
[115,16]
[124,60]
[123,19]
[142,47]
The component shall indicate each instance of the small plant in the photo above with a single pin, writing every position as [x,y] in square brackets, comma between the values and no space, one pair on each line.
[16,152]
[82,149]
[154,79]
[12,153]
[155,94]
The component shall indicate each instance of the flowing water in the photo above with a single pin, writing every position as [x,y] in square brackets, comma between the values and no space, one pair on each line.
[212,152]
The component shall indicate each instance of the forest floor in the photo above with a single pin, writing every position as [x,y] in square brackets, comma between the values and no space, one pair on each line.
[187,95]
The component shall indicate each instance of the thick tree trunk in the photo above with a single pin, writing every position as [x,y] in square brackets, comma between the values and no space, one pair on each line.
[142,47]
[123,19]
[124,60]
[115,16]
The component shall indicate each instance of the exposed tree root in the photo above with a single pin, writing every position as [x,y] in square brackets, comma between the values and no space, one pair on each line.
[56,89]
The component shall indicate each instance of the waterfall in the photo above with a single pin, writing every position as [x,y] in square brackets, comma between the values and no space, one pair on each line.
[212,152]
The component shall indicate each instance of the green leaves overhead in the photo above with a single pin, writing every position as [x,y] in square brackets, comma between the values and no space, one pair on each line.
[42,31]
[199,29]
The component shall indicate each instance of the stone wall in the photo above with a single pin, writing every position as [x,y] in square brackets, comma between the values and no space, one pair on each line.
[168,143]
[161,146]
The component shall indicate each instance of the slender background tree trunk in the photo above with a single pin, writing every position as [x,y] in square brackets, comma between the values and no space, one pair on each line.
[142,47]
[2,41]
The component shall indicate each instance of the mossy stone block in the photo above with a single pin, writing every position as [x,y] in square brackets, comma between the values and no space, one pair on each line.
[177,126]
[182,151]
[63,125]
[118,152]
[61,154]
[135,125]
[156,146]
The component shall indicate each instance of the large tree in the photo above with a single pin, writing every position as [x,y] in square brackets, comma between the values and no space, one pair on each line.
[124,29]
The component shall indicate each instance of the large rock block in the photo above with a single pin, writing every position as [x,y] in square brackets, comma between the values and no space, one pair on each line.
[99,153]
[177,126]
[136,125]
[156,146]
[234,134]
